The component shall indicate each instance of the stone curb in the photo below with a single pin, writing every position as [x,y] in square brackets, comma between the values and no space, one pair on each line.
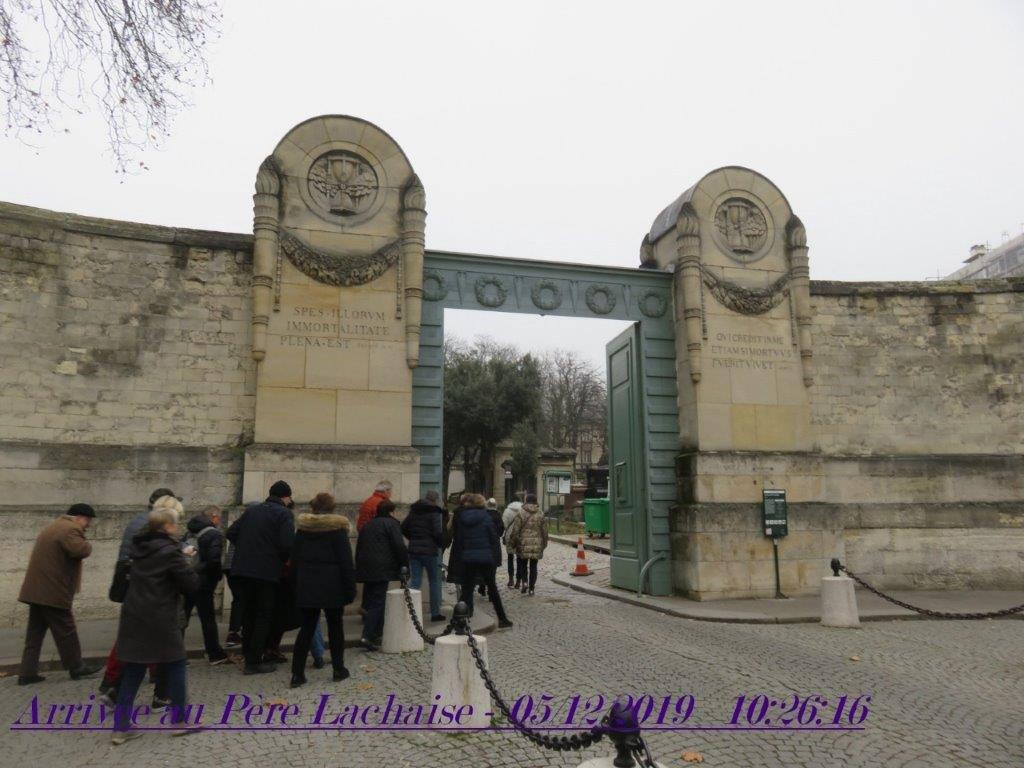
[630,598]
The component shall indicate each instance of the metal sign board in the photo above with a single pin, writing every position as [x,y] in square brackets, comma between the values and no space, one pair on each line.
[774,513]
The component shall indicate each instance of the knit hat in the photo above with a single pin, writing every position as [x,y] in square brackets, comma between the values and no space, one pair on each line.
[281,490]
[492,503]
[81,510]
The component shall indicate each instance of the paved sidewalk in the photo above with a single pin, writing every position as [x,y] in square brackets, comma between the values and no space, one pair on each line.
[97,638]
[796,609]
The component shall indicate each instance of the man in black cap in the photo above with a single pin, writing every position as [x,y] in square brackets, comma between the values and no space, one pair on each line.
[262,540]
[53,577]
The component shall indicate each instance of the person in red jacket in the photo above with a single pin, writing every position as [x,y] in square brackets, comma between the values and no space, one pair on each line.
[368,509]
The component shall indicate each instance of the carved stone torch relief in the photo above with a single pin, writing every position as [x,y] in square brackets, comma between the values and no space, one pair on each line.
[800,285]
[266,218]
[414,221]
[687,285]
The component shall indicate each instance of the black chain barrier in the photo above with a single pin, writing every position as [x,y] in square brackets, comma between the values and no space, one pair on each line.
[427,638]
[837,567]
[619,724]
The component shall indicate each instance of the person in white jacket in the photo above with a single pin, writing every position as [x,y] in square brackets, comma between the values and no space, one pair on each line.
[511,512]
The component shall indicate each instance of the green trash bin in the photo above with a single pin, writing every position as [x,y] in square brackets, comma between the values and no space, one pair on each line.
[595,517]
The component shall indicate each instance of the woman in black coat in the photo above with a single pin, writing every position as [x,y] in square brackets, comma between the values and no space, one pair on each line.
[324,577]
[149,631]
[380,556]
[477,542]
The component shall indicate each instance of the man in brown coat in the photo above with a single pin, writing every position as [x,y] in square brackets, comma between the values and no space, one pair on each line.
[53,577]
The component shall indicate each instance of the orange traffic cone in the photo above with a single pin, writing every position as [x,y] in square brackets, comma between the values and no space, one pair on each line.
[581,560]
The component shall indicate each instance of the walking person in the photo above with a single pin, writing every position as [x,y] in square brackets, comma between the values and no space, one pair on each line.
[53,577]
[324,581]
[368,509]
[262,538]
[529,538]
[167,498]
[507,517]
[205,535]
[454,574]
[424,528]
[477,543]
[149,630]
[380,556]
[233,639]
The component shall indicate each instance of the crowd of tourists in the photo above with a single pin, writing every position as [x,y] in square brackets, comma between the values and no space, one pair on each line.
[284,568]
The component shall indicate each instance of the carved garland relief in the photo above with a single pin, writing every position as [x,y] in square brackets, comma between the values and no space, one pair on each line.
[746,301]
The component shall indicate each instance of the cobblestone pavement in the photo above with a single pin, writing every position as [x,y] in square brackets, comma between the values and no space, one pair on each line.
[942,694]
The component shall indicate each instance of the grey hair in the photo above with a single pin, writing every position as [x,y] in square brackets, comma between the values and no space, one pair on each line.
[432,496]
[160,517]
[384,486]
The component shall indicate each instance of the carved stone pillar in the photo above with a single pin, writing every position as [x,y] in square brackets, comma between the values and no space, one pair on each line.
[800,285]
[414,221]
[266,214]
[687,287]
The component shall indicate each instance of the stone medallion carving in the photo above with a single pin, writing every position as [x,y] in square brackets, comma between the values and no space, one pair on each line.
[652,304]
[435,285]
[742,229]
[600,299]
[546,295]
[343,183]
[490,291]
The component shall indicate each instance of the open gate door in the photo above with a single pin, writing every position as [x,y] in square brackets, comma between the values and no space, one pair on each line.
[627,471]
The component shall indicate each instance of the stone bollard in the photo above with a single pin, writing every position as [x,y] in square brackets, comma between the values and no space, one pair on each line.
[838,600]
[456,681]
[400,636]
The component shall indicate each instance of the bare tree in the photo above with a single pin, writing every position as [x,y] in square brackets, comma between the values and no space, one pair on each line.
[573,401]
[135,59]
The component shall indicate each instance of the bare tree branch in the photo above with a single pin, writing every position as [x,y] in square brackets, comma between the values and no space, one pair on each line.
[135,59]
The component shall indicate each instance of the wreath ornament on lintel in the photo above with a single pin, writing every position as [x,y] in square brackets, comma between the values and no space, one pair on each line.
[549,302]
[600,308]
[440,285]
[335,269]
[487,299]
[652,304]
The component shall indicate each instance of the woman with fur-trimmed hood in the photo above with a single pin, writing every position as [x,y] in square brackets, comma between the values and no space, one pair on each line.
[324,574]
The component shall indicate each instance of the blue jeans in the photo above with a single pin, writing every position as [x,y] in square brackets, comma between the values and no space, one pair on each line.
[432,563]
[316,647]
[131,679]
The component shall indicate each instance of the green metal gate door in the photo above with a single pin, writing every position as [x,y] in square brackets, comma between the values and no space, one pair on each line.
[627,475]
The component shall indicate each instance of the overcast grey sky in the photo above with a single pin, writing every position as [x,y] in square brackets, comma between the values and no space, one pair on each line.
[558,130]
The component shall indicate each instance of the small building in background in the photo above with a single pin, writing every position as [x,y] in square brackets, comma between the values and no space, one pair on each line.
[1005,261]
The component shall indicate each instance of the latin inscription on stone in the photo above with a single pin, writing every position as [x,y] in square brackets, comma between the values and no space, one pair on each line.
[334,328]
[751,351]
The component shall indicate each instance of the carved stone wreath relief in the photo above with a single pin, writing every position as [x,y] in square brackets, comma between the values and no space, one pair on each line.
[546,295]
[600,299]
[490,291]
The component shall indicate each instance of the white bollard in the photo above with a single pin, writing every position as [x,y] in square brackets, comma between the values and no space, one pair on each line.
[838,602]
[400,636]
[457,680]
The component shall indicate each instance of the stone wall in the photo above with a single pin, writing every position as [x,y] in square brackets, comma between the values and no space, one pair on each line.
[124,366]
[918,368]
[916,476]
